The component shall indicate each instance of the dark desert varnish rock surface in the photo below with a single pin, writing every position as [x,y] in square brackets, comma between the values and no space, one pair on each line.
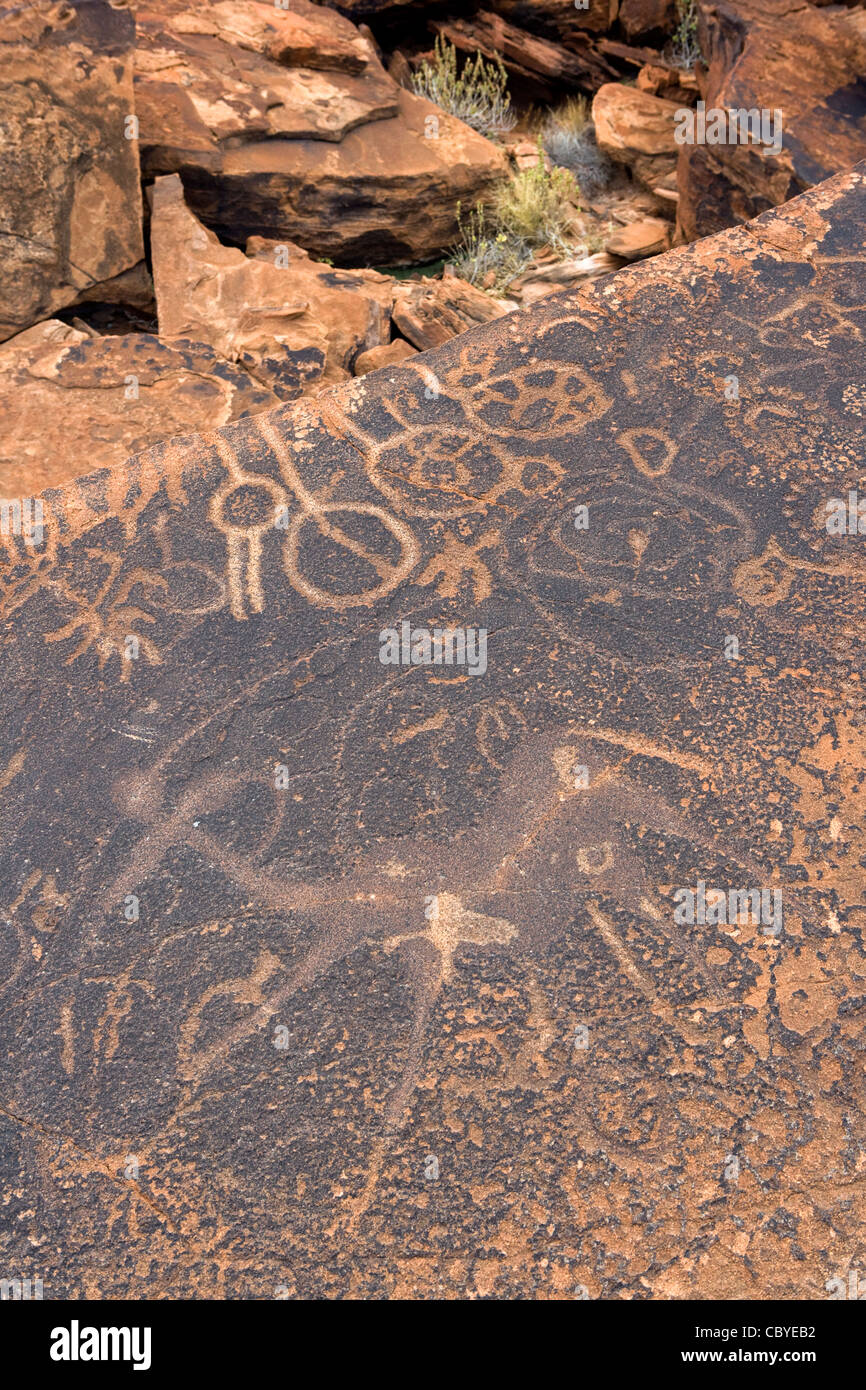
[379,970]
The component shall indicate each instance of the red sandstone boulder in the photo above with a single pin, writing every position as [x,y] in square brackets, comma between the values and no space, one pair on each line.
[72,401]
[805,63]
[562,20]
[389,356]
[646,237]
[295,324]
[637,129]
[640,18]
[542,68]
[323,150]
[70,207]
[429,312]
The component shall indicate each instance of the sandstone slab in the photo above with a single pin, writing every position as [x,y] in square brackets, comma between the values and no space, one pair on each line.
[295,32]
[637,129]
[200,83]
[646,237]
[329,977]
[294,324]
[642,18]
[387,356]
[72,401]
[70,207]
[543,69]
[805,68]
[430,312]
[562,20]
[385,194]
[334,157]
[553,276]
[376,9]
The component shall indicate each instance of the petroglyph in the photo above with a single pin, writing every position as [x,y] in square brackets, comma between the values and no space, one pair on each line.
[640,443]
[547,848]
[282,922]
[756,583]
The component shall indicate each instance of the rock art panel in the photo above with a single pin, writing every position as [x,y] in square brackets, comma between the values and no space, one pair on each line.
[360,759]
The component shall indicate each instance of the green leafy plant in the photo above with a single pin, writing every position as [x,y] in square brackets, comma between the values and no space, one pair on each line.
[487,249]
[685,50]
[537,205]
[478,95]
[533,208]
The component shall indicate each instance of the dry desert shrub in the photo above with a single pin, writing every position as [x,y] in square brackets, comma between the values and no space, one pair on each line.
[478,95]
[569,141]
